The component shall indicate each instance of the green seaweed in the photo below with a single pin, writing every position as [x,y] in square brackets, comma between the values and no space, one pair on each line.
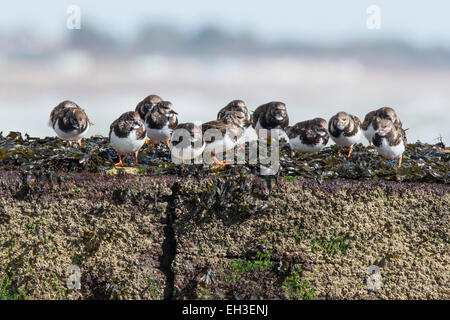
[295,287]
[8,288]
[261,262]
[340,244]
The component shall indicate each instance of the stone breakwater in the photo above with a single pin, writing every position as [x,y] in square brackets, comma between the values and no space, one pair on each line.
[201,234]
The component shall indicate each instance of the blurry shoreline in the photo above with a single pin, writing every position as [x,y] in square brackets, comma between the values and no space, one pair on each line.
[200,73]
[198,88]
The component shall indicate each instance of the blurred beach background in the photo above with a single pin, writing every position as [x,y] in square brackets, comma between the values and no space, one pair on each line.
[319,57]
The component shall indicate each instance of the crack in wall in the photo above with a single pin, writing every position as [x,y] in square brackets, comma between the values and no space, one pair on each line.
[169,245]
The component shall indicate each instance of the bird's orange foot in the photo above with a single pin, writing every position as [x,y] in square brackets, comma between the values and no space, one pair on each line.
[220,163]
[168,144]
[79,143]
[136,162]
[400,161]
[120,163]
[349,152]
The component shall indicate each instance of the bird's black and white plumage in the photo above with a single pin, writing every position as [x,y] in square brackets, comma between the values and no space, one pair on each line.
[308,136]
[224,134]
[236,105]
[127,135]
[69,121]
[186,142]
[345,130]
[160,122]
[389,140]
[144,106]
[272,115]
[369,127]
[239,105]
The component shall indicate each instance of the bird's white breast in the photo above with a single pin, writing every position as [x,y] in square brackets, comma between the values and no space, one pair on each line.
[347,141]
[159,135]
[187,153]
[129,144]
[249,135]
[390,152]
[221,146]
[369,133]
[73,135]
[297,145]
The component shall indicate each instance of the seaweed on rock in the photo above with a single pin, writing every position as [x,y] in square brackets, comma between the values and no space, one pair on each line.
[44,156]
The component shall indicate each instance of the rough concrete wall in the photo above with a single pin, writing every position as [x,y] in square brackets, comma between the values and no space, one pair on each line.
[153,237]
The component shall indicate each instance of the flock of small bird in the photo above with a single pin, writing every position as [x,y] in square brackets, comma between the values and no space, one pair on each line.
[154,121]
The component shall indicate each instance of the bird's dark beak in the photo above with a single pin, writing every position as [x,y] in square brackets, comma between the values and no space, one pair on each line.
[173,112]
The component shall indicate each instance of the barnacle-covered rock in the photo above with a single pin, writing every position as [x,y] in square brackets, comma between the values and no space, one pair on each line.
[201,231]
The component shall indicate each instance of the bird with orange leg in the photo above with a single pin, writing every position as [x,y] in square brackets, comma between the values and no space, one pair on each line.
[389,140]
[345,131]
[127,135]
[69,121]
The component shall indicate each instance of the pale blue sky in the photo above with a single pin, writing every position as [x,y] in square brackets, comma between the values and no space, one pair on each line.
[421,22]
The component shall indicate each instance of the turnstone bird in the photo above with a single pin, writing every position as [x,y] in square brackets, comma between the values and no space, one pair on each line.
[222,135]
[389,140]
[147,104]
[308,136]
[69,121]
[239,105]
[236,105]
[367,126]
[272,115]
[160,121]
[187,142]
[345,130]
[127,135]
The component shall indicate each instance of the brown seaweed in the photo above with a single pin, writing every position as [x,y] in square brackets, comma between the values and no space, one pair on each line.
[44,156]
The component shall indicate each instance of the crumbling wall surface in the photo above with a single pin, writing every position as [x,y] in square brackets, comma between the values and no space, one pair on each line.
[150,236]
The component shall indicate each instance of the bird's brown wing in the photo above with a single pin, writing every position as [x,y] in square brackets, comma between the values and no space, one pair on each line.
[222,112]
[368,119]
[216,124]
[173,122]
[58,111]
[259,114]
[356,121]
